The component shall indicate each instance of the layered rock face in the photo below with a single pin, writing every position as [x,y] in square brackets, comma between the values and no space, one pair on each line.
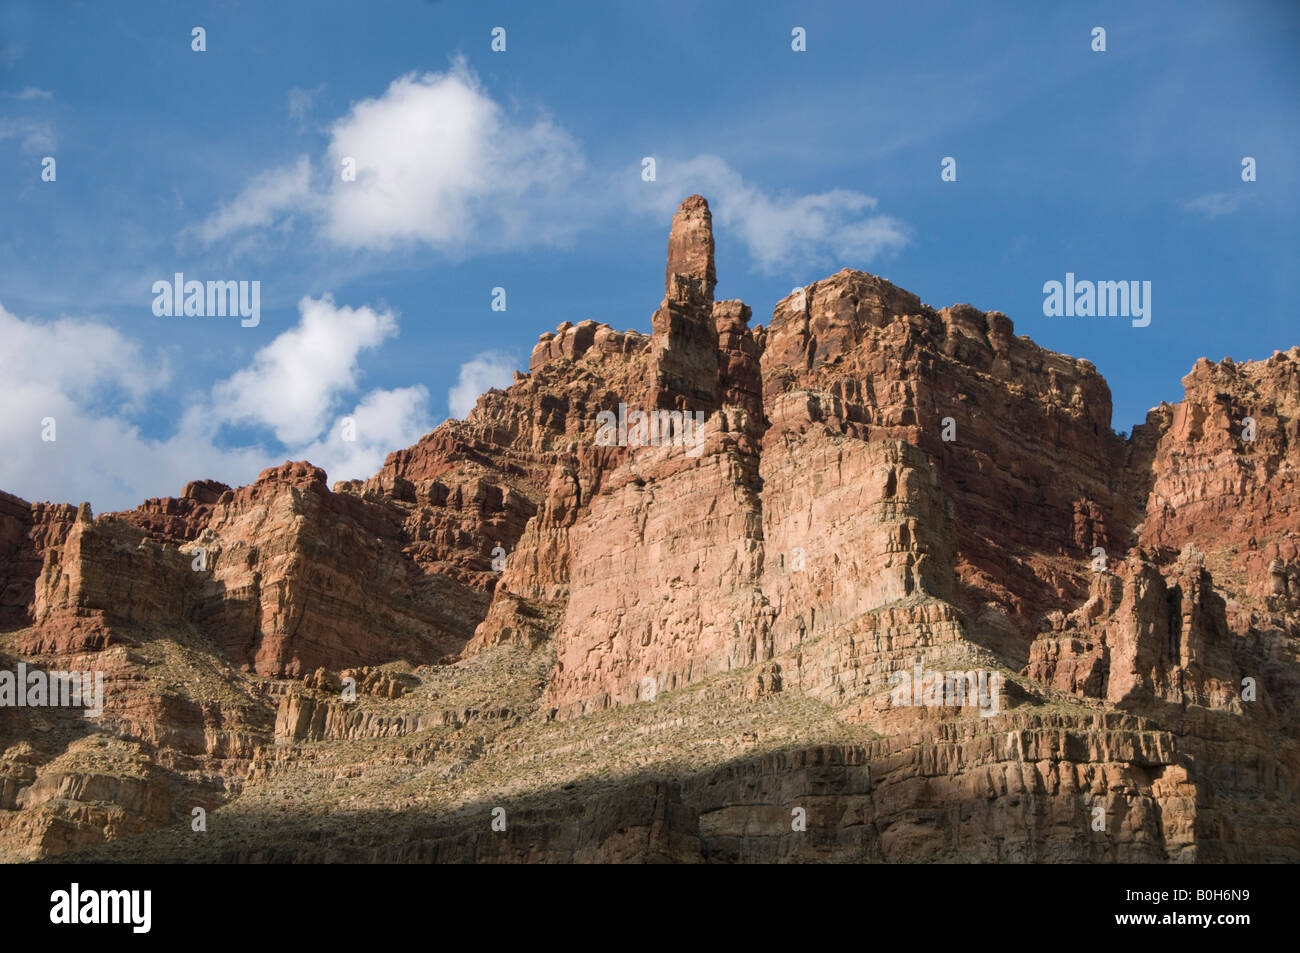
[283,574]
[1226,458]
[663,580]
[879,565]
[1020,437]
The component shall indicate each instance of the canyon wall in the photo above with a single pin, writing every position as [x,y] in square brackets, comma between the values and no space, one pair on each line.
[763,530]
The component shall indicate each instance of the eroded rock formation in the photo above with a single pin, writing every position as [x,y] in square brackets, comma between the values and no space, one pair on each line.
[661,646]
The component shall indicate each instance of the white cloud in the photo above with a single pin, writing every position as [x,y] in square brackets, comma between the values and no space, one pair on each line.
[384,421]
[301,102]
[437,163]
[36,135]
[838,227]
[30,93]
[480,373]
[78,358]
[1216,203]
[294,381]
[71,370]
[25,123]
[52,373]
[261,202]
[440,164]
[65,370]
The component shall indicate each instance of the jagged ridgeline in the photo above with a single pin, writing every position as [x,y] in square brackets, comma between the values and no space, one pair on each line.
[898,593]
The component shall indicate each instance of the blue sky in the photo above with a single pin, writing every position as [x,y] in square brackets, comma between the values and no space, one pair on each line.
[522,169]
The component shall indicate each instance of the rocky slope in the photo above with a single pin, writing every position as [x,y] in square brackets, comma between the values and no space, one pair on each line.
[876,582]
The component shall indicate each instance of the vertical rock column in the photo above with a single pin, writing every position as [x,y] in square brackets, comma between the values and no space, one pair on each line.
[664,567]
[684,348]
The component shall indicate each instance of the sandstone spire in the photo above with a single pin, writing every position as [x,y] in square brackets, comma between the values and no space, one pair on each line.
[685,342]
[690,251]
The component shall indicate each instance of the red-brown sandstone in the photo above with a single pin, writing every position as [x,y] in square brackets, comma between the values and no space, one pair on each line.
[877,485]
